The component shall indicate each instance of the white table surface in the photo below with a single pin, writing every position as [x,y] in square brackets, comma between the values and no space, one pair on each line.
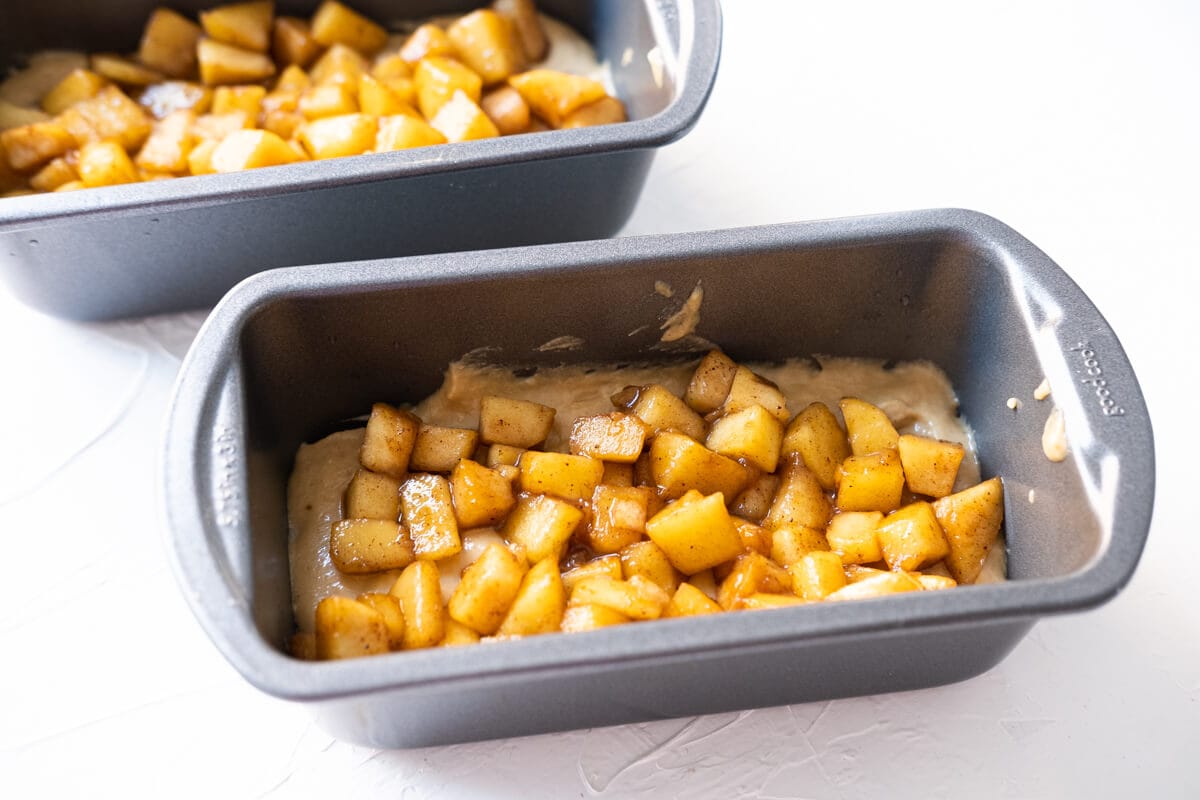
[1075,123]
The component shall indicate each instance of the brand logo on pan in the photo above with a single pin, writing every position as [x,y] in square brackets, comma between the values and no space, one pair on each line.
[225,450]
[1094,377]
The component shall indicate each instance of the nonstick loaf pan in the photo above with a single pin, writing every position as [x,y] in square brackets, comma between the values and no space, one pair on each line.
[290,352]
[178,244]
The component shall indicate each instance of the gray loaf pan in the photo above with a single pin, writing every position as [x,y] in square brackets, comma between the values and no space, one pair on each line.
[291,352]
[178,244]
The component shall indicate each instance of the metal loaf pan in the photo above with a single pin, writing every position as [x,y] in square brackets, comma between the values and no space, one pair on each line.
[178,244]
[291,351]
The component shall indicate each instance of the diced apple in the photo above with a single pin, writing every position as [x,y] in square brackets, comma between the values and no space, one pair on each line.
[292,42]
[752,573]
[800,500]
[755,538]
[245,25]
[871,482]
[695,532]
[57,172]
[819,440]
[618,518]
[438,448]
[790,543]
[427,509]
[507,110]
[679,463]
[222,63]
[339,65]
[605,111]
[710,383]
[867,427]
[609,566]
[766,600]
[611,437]
[460,119]
[482,496]
[688,601]
[326,100]
[647,559]
[539,604]
[590,617]
[752,435]
[524,17]
[487,43]
[661,410]
[372,495]
[458,635]
[390,437]
[517,423]
[377,98]
[340,136]
[851,534]
[754,503]
[542,526]
[554,95]
[427,41]
[170,144]
[879,584]
[123,71]
[635,598]
[169,43]
[817,575]
[749,389]
[217,126]
[335,23]
[566,476]
[971,521]
[252,149]
[359,546]
[437,79]
[935,583]
[389,609]
[930,465]
[487,590]
[238,98]
[106,164]
[79,85]
[346,628]
[912,538]
[419,591]
[30,147]
[200,159]
[401,132]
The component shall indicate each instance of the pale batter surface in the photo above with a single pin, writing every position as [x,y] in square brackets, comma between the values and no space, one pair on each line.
[916,396]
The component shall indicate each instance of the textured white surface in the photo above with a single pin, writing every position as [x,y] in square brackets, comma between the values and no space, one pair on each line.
[1075,123]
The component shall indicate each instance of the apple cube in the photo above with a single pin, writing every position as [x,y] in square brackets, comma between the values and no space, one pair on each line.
[695,532]
[930,465]
[363,546]
[820,441]
[487,590]
[482,496]
[817,575]
[542,525]
[912,538]
[867,427]
[871,482]
[419,591]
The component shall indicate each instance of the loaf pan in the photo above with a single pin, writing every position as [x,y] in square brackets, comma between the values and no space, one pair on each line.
[291,351]
[178,244]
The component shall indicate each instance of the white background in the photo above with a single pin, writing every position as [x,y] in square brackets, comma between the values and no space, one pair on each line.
[1076,123]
